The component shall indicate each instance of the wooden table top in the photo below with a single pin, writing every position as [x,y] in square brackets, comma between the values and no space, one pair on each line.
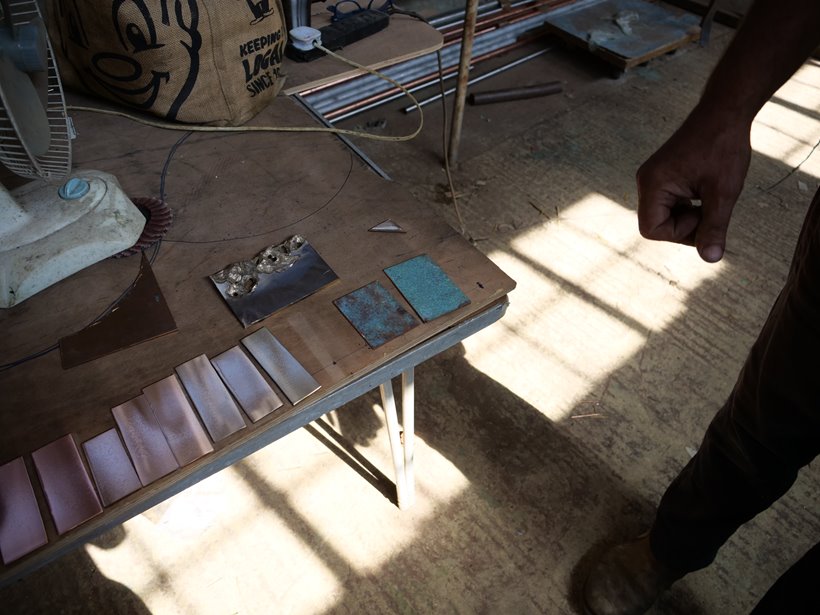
[231,195]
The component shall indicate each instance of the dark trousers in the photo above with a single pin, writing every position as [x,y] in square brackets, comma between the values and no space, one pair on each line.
[768,429]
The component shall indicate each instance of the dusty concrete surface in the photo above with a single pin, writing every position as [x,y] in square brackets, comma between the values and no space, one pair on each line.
[541,440]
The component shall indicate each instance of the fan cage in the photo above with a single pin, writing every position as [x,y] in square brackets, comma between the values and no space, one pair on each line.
[56,162]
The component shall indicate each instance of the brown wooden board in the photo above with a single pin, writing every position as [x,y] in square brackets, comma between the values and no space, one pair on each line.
[405,38]
[231,195]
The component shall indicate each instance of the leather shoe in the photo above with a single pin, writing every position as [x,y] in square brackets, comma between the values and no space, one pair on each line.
[627,580]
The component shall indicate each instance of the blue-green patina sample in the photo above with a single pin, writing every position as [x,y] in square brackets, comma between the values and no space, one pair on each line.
[375,314]
[426,287]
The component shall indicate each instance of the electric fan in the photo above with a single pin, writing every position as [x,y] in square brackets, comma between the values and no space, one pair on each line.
[58,224]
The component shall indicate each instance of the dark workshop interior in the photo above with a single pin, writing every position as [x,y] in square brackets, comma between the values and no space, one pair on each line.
[540,440]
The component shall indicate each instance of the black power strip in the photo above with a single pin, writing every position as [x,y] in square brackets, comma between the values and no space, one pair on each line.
[342,33]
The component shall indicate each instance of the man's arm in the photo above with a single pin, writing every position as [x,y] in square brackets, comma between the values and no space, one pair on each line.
[708,156]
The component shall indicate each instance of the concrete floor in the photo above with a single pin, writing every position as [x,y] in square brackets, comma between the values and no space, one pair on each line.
[541,440]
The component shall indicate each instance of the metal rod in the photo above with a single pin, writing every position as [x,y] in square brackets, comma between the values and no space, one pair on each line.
[363,85]
[408,420]
[338,115]
[504,18]
[343,138]
[520,93]
[463,76]
[332,97]
[492,73]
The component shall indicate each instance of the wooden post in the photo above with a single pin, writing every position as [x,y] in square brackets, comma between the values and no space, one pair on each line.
[467,37]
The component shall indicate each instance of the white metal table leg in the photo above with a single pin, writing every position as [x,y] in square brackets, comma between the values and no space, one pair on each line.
[392,419]
[407,411]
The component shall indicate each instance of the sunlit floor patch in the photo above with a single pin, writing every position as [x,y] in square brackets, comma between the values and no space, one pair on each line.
[588,295]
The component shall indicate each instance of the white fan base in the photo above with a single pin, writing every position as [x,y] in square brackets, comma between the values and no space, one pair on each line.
[44,238]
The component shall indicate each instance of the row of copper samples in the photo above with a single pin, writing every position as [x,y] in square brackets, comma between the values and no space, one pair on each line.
[156,433]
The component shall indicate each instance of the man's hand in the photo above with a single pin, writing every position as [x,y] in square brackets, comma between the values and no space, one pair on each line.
[707,160]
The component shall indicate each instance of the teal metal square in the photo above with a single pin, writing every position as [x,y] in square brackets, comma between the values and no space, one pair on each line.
[426,287]
[375,314]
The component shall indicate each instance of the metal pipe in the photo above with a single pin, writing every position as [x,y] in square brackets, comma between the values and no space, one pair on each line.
[345,96]
[426,64]
[364,85]
[492,73]
[502,18]
[520,93]
[444,21]
[339,114]
[342,113]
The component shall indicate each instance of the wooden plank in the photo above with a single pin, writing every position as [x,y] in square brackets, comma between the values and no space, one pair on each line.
[231,196]
[624,33]
[404,39]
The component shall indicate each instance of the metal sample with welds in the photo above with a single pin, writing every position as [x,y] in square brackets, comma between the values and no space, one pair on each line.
[276,277]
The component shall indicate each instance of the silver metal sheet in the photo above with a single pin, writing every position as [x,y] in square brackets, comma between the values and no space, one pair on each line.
[184,433]
[214,403]
[275,278]
[388,226]
[286,371]
[144,439]
[248,386]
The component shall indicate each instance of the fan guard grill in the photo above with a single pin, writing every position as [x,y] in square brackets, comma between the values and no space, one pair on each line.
[56,162]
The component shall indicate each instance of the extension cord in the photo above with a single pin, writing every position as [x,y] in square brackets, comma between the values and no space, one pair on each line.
[341,33]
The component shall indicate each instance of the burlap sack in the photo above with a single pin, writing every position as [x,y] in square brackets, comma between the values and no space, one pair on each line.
[197,61]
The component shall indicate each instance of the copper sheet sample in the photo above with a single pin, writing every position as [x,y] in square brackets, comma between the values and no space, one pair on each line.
[427,288]
[69,492]
[375,314]
[177,420]
[21,526]
[142,315]
[286,371]
[144,439]
[111,468]
[214,403]
[250,388]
